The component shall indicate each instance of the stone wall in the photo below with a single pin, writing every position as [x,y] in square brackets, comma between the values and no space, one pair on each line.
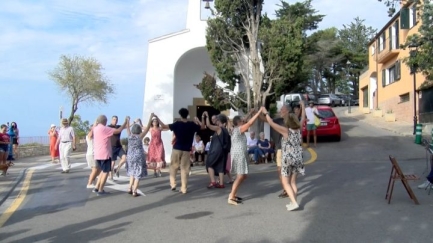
[403,111]
[32,151]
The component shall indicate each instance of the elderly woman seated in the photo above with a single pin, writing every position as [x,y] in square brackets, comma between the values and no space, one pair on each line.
[263,149]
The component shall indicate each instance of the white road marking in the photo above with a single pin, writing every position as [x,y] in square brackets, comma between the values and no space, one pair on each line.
[123,188]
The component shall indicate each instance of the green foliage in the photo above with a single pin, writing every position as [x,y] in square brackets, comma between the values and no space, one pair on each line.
[240,39]
[354,41]
[82,79]
[81,128]
[422,42]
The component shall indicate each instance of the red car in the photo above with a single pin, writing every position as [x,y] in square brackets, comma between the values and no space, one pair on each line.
[329,124]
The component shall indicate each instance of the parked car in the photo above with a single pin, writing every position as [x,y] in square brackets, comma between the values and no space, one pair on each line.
[344,99]
[294,98]
[354,101]
[329,124]
[329,99]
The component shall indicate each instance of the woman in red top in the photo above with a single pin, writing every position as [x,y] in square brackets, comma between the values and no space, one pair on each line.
[4,143]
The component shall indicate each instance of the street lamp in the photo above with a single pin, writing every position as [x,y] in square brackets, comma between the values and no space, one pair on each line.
[350,97]
[413,68]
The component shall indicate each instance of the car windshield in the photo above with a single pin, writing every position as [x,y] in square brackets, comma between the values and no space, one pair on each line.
[324,96]
[326,113]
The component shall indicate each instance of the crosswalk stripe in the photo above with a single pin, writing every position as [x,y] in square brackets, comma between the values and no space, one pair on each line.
[73,165]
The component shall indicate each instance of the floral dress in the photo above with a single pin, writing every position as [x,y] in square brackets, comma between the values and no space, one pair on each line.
[135,159]
[292,157]
[156,151]
[239,152]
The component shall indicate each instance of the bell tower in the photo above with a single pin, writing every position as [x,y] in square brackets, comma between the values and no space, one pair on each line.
[195,12]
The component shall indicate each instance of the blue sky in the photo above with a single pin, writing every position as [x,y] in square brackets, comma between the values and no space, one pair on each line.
[116,32]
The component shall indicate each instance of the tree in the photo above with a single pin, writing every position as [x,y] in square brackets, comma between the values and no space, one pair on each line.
[244,53]
[81,128]
[82,79]
[327,60]
[354,40]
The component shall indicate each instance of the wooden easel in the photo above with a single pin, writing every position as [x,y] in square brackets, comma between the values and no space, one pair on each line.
[397,174]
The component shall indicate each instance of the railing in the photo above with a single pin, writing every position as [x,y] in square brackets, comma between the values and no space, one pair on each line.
[28,141]
[389,45]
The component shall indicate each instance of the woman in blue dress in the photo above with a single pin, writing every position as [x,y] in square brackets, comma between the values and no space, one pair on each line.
[136,166]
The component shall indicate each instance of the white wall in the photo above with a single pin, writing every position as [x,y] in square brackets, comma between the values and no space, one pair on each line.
[188,72]
[163,55]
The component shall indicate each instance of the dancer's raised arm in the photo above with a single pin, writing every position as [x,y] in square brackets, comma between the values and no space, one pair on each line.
[212,127]
[280,129]
[250,122]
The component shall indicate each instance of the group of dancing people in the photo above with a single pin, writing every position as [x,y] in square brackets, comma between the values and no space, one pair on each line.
[228,145]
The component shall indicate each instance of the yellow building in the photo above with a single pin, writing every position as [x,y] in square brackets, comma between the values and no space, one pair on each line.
[387,84]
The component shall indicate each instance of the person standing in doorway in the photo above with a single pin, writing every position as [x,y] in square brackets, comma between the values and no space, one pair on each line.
[311,113]
[65,143]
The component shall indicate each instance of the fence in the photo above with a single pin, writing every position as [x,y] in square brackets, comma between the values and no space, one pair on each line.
[29,141]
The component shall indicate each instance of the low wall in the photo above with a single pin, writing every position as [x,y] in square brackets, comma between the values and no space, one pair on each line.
[32,151]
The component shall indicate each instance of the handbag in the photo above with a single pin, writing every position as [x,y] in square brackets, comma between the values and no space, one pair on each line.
[316,121]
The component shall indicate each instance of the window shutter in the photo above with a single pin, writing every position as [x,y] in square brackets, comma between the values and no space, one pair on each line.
[397,70]
[414,13]
[404,18]
[384,40]
[390,37]
[397,41]
[383,77]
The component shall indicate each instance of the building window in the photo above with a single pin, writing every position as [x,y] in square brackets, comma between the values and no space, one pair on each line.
[365,97]
[412,16]
[382,44]
[404,98]
[391,74]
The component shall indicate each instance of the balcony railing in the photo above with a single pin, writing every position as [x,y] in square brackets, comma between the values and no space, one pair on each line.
[388,48]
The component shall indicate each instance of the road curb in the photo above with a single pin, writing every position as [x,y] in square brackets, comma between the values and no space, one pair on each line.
[14,185]
[373,124]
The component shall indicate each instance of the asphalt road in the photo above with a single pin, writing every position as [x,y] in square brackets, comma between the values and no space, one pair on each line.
[342,198]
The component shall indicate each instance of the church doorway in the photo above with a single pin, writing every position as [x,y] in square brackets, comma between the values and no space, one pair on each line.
[205,134]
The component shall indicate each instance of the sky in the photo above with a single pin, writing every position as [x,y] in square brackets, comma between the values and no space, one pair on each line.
[35,33]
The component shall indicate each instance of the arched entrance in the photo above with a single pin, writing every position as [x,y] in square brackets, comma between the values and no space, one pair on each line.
[189,71]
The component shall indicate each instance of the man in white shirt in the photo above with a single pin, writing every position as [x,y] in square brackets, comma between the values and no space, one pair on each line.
[252,142]
[65,143]
[311,113]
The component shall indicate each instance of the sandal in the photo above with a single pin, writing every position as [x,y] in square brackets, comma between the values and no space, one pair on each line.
[212,185]
[129,191]
[233,202]
[220,186]
[135,194]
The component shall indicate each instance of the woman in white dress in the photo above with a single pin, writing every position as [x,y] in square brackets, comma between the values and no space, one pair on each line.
[239,155]
[292,159]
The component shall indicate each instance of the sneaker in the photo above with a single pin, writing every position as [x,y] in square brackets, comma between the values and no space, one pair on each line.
[424,185]
[291,207]
[90,186]
[159,174]
[102,193]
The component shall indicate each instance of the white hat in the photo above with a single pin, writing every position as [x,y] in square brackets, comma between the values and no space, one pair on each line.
[52,125]
[154,118]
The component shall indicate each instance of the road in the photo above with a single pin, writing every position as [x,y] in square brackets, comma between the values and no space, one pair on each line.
[341,198]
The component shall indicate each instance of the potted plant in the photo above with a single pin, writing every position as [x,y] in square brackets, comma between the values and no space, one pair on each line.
[378,112]
[390,116]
